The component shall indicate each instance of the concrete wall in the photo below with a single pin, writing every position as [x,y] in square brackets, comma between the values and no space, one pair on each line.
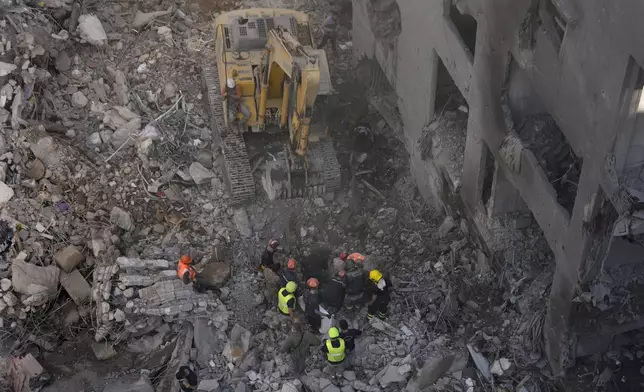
[579,81]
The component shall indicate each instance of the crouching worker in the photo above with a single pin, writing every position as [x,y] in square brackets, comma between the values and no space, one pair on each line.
[335,351]
[187,273]
[187,379]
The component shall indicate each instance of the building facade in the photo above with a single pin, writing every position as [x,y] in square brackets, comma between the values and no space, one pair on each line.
[526,110]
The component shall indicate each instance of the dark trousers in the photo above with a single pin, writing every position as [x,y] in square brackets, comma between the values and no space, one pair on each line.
[315,321]
[379,307]
[329,37]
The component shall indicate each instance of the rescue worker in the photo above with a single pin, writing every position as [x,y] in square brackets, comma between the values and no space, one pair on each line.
[286,299]
[357,258]
[268,255]
[271,286]
[312,304]
[185,270]
[232,94]
[356,283]
[332,293]
[297,345]
[330,30]
[187,379]
[288,274]
[380,291]
[339,262]
[349,335]
[335,351]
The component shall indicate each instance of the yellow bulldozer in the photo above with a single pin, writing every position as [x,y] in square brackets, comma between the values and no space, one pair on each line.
[267,60]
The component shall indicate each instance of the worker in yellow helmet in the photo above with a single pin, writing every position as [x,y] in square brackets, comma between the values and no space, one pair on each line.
[335,351]
[286,299]
[380,294]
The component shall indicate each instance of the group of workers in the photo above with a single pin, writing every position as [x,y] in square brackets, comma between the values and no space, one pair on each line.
[350,283]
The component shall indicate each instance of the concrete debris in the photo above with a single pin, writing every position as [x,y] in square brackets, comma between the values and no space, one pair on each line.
[6,68]
[238,344]
[143,384]
[47,151]
[76,286]
[500,366]
[79,100]
[390,375]
[481,362]
[103,351]
[199,173]
[133,263]
[207,341]
[10,299]
[27,374]
[36,170]
[91,30]
[143,18]
[240,217]
[432,370]
[5,284]
[215,274]
[208,385]
[6,193]
[30,279]
[166,33]
[447,226]
[69,258]
[121,218]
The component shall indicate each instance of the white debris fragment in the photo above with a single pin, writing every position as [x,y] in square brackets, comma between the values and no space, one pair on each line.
[62,35]
[143,18]
[79,100]
[6,68]
[6,193]
[91,30]
[199,173]
[500,366]
[166,33]
[5,284]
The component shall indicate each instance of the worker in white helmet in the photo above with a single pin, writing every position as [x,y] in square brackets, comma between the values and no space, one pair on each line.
[232,94]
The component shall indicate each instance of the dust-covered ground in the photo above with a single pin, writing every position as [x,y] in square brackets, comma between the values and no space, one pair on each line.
[110,174]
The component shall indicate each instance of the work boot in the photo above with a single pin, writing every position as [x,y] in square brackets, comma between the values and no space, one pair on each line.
[382,316]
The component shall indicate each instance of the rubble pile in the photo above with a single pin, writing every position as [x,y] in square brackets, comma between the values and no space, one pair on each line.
[141,292]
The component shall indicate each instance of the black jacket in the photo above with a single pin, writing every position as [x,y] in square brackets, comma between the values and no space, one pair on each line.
[349,336]
[333,293]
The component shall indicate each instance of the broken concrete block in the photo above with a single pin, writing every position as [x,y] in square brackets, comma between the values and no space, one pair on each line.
[199,173]
[69,258]
[91,30]
[26,373]
[238,344]
[6,193]
[103,350]
[432,370]
[30,279]
[215,274]
[206,341]
[208,385]
[76,286]
[5,284]
[133,263]
[121,218]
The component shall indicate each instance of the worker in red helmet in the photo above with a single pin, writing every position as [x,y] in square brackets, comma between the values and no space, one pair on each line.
[268,255]
[339,263]
[312,304]
[187,273]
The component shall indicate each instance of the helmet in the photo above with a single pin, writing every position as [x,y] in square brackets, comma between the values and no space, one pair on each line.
[333,332]
[273,244]
[375,275]
[343,256]
[230,82]
[290,264]
[291,287]
[185,259]
[357,257]
[312,283]
[342,274]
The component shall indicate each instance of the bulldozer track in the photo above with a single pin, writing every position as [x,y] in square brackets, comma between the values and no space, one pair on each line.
[237,172]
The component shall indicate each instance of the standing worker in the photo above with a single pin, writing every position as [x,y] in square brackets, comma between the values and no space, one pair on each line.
[269,254]
[356,283]
[335,351]
[297,345]
[380,289]
[333,292]
[288,274]
[232,94]
[312,304]
[286,299]
[357,258]
[330,30]
[187,379]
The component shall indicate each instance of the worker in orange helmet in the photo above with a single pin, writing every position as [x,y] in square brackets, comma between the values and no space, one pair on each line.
[312,304]
[288,274]
[187,273]
[357,258]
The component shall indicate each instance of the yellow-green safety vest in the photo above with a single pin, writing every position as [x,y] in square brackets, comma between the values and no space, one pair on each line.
[283,297]
[335,354]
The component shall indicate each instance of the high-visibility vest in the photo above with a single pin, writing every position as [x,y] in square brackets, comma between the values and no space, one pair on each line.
[357,257]
[182,268]
[335,354]
[283,297]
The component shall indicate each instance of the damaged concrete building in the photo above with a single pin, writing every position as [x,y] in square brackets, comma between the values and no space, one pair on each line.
[520,113]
